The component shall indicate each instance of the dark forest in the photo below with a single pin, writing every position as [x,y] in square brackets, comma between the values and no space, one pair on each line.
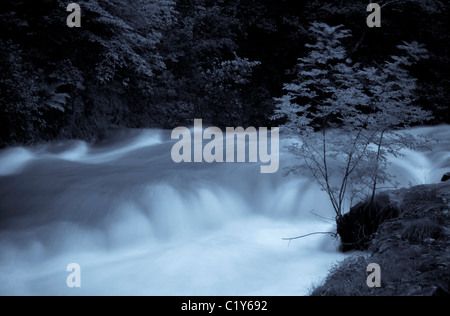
[158,64]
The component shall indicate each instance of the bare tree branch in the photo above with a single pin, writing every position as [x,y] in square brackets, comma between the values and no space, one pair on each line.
[307,235]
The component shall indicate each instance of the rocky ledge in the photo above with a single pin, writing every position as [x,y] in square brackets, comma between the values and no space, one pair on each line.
[412,250]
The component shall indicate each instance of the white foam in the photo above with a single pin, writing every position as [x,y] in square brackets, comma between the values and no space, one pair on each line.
[12,161]
[76,153]
[148,226]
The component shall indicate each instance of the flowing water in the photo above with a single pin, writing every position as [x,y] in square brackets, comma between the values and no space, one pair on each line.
[139,224]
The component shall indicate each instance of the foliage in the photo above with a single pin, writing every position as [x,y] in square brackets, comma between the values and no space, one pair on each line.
[160,63]
[205,73]
[20,112]
[346,115]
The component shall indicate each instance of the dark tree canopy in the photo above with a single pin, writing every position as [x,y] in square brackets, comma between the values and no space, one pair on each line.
[162,63]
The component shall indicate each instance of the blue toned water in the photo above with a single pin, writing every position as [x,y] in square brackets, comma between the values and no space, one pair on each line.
[139,224]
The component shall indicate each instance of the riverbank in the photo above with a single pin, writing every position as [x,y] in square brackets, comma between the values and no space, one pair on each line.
[412,250]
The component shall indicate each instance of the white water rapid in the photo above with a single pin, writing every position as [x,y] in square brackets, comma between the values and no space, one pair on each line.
[139,224]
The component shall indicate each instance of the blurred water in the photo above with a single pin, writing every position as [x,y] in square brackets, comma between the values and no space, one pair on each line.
[139,224]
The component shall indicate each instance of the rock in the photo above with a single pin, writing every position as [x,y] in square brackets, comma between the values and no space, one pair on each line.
[446,177]
[358,227]
[418,264]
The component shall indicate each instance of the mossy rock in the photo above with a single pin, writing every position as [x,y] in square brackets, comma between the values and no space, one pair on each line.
[357,228]
[413,250]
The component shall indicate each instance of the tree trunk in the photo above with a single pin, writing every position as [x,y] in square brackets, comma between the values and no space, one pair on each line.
[375,180]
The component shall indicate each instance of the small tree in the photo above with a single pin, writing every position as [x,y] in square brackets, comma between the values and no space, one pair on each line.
[392,92]
[345,115]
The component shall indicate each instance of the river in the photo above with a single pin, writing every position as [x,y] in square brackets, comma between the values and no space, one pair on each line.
[139,224]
